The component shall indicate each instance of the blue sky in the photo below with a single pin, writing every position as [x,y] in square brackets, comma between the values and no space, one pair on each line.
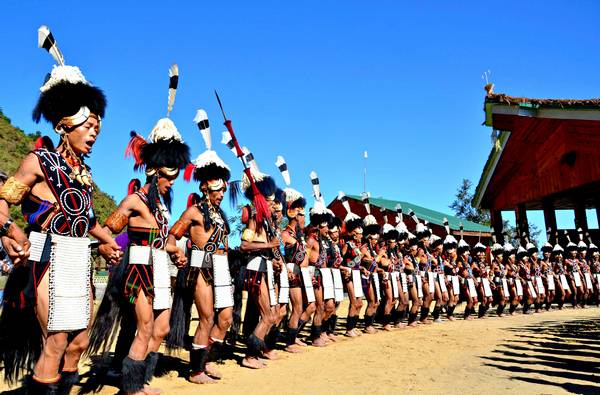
[317,82]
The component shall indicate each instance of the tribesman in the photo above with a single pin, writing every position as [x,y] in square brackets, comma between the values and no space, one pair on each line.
[536,269]
[501,292]
[585,269]
[425,266]
[512,274]
[295,256]
[560,273]
[481,272]
[529,294]
[465,271]
[451,271]
[401,310]
[595,268]
[414,279]
[574,273]
[51,279]
[334,261]
[207,276]
[146,213]
[260,242]
[548,274]
[369,266]
[351,273]
[389,279]
[317,259]
[440,287]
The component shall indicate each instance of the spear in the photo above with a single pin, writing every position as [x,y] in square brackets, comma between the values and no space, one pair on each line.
[259,201]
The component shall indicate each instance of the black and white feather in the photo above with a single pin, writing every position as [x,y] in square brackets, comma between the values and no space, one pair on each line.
[46,40]
[283,169]
[173,83]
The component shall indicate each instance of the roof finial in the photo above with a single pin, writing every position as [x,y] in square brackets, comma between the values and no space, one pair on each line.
[489,87]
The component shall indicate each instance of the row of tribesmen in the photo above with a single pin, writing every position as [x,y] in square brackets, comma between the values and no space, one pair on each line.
[293,271]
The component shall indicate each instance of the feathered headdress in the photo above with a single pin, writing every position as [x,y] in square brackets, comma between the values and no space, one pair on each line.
[581,246]
[165,151]
[208,167]
[352,220]
[390,233]
[66,99]
[570,245]
[319,214]
[370,224]
[449,242]
[293,198]
[547,247]
[462,244]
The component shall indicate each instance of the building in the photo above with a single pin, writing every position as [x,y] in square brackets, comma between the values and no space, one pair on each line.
[545,157]
[381,208]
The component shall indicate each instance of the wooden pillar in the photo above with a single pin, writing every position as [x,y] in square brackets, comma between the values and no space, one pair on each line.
[550,219]
[580,216]
[521,218]
[497,225]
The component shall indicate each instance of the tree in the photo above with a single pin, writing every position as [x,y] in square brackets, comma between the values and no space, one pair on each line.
[463,205]
[463,208]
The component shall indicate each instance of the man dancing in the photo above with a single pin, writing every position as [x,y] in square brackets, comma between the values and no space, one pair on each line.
[207,275]
[54,189]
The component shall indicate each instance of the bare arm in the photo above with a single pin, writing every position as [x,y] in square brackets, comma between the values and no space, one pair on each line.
[248,244]
[12,193]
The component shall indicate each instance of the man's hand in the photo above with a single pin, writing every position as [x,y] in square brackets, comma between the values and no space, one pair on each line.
[17,248]
[111,252]
[277,264]
[179,259]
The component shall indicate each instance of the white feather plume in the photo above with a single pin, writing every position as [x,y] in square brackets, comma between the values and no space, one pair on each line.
[164,129]
[282,166]
[46,40]
[173,82]
[201,119]
[228,141]
[316,187]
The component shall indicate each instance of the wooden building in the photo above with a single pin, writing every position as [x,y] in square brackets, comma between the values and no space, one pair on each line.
[381,208]
[545,157]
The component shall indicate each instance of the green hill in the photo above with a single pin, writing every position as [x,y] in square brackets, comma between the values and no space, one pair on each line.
[15,144]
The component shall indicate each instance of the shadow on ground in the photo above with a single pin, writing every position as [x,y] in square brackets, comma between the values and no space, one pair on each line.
[553,354]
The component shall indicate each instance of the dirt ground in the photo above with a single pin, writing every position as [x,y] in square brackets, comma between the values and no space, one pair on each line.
[548,353]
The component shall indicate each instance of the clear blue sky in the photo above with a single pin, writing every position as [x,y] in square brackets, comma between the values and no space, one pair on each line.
[317,82]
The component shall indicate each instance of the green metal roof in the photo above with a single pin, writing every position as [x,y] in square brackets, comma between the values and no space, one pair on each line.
[434,217]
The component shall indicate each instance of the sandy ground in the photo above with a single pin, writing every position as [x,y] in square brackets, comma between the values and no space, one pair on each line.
[552,352]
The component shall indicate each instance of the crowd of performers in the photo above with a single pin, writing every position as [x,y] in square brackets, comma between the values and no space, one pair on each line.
[295,270]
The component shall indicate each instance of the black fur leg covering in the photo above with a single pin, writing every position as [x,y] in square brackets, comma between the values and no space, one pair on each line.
[424,313]
[301,325]
[512,308]
[133,375]
[255,346]
[291,336]
[500,309]
[387,318]
[315,332]
[369,320]
[271,338]
[481,311]
[151,361]
[216,352]
[412,317]
[451,311]
[67,381]
[437,310]
[198,359]
[332,323]
[34,387]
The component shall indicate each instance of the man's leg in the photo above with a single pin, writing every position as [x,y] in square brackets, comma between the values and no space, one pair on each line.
[203,298]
